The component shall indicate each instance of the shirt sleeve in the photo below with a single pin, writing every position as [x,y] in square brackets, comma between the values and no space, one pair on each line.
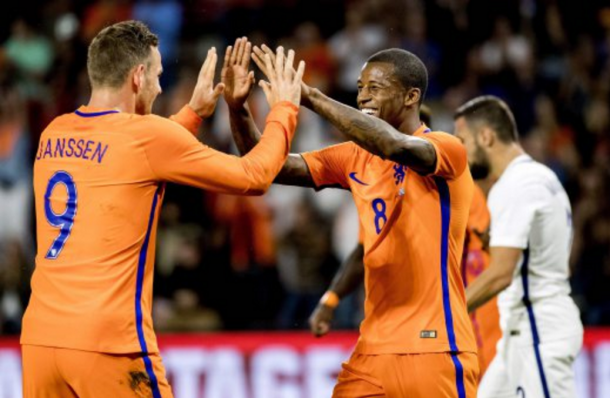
[175,155]
[328,166]
[451,158]
[187,118]
[513,212]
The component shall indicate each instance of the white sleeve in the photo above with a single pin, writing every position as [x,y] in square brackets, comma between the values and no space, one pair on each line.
[513,208]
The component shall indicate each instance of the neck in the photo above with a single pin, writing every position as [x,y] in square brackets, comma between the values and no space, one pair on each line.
[505,154]
[106,98]
[409,125]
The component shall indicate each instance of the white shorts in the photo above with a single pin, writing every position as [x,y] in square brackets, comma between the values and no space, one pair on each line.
[522,369]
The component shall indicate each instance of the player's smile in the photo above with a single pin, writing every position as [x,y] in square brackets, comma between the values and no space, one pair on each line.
[379,93]
[369,111]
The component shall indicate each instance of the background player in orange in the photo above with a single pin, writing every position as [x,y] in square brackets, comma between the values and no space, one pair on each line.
[485,320]
[99,179]
[413,190]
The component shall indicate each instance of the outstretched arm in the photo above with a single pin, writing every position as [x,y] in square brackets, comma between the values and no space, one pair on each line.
[238,82]
[346,280]
[371,133]
[494,279]
[179,157]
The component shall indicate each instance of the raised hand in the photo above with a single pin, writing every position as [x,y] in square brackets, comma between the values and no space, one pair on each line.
[258,55]
[205,94]
[235,76]
[284,82]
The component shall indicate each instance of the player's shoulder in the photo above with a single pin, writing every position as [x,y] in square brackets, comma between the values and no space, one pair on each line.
[525,179]
[115,119]
[153,120]
[347,148]
[450,143]
[62,121]
[525,171]
[147,124]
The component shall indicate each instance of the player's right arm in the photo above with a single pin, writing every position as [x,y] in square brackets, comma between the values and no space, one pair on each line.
[349,276]
[175,155]
[238,81]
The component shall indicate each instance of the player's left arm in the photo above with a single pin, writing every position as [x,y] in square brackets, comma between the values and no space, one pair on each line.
[371,133]
[188,119]
[497,277]
[176,156]
[204,98]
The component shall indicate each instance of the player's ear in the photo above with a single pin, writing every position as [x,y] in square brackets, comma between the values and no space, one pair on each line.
[138,77]
[412,96]
[486,137]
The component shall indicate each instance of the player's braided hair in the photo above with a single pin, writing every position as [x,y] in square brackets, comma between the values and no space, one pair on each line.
[408,68]
[116,50]
[492,111]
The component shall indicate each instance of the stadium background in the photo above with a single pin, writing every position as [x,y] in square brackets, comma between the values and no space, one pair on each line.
[229,264]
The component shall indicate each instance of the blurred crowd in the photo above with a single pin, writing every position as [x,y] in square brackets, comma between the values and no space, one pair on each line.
[231,263]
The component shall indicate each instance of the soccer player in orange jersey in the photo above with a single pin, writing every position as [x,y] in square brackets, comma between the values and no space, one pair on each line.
[485,321]
[99,180]
[350,274]
[413,191]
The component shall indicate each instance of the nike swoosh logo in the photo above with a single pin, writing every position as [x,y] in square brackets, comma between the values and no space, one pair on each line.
[353,177]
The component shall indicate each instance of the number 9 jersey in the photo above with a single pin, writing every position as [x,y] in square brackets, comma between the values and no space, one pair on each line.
[99,182]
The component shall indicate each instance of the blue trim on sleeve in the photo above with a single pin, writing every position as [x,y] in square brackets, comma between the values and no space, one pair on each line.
[532,319]
[445,200]
[154,384]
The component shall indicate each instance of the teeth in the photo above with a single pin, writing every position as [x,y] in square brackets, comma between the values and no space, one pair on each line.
[368,111]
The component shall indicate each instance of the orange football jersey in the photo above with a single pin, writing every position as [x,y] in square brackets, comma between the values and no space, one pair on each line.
[98,182]
[414,229]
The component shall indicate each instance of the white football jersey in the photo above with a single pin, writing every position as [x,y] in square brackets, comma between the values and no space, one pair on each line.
[530,210]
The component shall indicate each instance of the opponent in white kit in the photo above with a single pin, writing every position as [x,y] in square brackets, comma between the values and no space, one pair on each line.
[530,241]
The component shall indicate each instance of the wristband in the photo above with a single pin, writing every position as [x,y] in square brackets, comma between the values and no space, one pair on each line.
[330,299]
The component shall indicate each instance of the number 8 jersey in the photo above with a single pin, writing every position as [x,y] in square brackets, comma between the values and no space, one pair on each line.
[413,228]
[99,182]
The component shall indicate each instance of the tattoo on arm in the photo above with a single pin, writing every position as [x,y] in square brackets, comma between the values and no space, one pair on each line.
[376,135]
